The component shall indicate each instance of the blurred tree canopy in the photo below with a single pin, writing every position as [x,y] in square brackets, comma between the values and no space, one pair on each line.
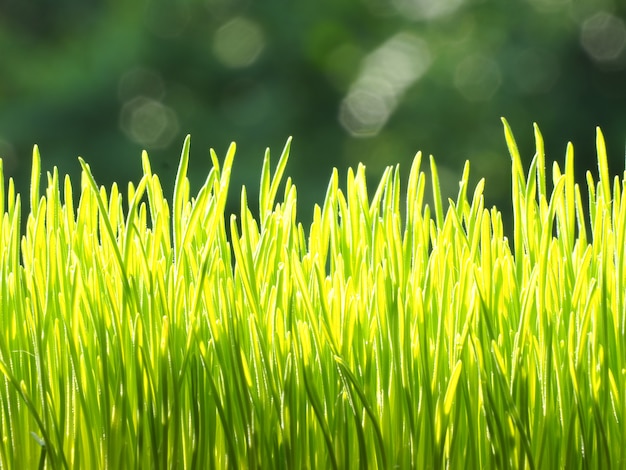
[370,81]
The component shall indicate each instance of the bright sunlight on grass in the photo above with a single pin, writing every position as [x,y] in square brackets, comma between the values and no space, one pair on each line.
[387,334]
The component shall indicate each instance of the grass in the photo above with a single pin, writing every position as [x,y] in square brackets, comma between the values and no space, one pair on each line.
[387,334]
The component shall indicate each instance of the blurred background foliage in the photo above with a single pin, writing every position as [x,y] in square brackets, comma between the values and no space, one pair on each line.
[370,81]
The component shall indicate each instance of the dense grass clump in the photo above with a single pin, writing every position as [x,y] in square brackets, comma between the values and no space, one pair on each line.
[387,334]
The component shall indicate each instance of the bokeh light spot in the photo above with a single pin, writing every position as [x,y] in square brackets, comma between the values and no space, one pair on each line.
[386,74]
[477,78]
[238,43]
[364,112]
[603,36]
[426,9]
[149,122]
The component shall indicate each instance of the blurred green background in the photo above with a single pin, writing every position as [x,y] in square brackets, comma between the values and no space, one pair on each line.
[370,81]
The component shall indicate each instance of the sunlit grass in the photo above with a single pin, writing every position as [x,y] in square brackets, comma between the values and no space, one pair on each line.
[141,333]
